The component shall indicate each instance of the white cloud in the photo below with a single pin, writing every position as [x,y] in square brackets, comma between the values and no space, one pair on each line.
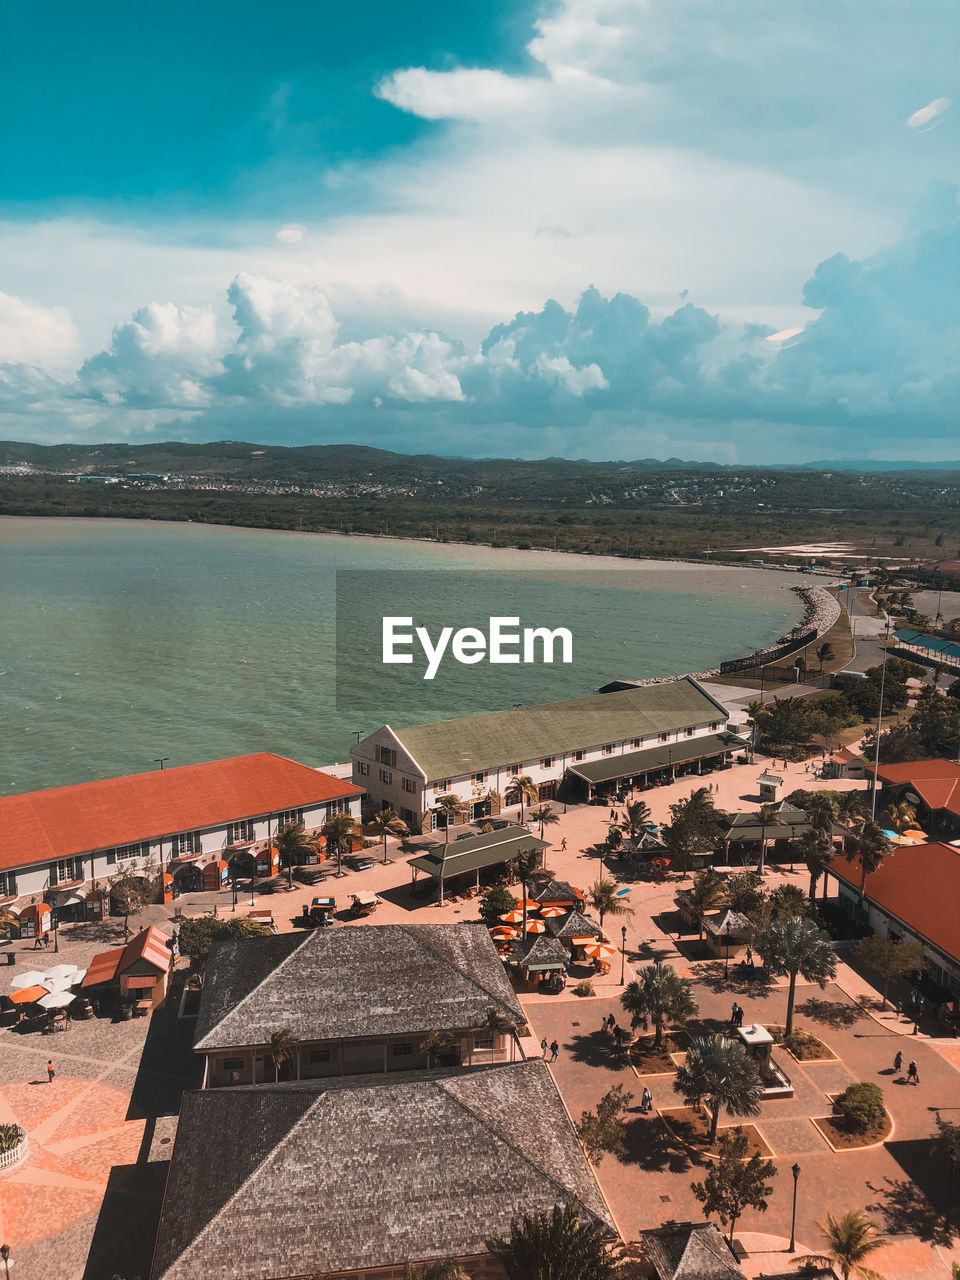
[32,334]
[292,233]
[928,113]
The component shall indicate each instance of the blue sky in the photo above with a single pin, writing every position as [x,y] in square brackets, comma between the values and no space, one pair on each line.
[583,228]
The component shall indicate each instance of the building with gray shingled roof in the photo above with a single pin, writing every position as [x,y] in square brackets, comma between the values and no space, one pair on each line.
[691,1251]
[357,1000]
[360,1176]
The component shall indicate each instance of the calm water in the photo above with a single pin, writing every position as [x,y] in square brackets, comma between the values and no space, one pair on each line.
[124,641]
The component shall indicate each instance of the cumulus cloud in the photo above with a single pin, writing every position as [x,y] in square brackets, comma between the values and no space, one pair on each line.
[928,114]
[32,334]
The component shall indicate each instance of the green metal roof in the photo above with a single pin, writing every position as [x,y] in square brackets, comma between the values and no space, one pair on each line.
[454,747]
[484,850]
[611,768]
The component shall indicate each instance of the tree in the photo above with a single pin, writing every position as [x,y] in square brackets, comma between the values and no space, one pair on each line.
[658,995]
[603,1130]
[766,815]
[719,1073]
[560,1244]
[446,1269]
[948,1145]
[340,830]
[131,890]
[860,1106]
[294,847]
[825,653]
[525,863]
[387,822]
[546,815]
[850,1240]
[283,1049]
[437,1044]
[693,826]
[602,896]
[8,921]
[735,1183]
[522,788]
[786,902]
[636,818]
[706,893]
[198,934]
[890,959]
[870,846]
[496,902]
[900,817]
[816,846]
[744,893]
[797,947]
[448,807]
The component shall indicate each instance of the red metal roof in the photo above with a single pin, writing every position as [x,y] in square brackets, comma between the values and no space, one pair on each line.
[936,782]
[141,982]
[103,967]
[39,826]
[151,946]
[920,885]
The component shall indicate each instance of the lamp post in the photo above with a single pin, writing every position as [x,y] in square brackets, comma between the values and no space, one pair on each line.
[793,1222]
[161,761]
[726,958]
[56,933]
[670,758]
[876,756]
[233,882]
[623,953]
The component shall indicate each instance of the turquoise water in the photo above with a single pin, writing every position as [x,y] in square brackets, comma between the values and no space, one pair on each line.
[121,642]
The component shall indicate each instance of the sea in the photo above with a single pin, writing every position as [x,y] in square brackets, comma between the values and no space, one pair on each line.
[128,643]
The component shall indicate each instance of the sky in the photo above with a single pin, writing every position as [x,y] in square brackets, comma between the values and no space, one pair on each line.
[584,228]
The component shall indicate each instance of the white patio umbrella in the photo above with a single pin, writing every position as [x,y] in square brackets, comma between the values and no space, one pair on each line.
[32,978]
[56,1000]
[61,971]
[78,977]
[57,984]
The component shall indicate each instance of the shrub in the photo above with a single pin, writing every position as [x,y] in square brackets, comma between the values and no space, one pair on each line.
[10,1135]
[861,1107]
[584,988]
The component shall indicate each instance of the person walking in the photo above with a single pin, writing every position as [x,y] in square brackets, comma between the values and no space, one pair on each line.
[543,1047]
[554,1050]
[50,1071]
[898,1063]
[750,957]
[563,845]
[611,1022]
[733,1014]
[913,1076]
[646,1100]
[46,939]
[739,1015]
[38,942]
[613,814]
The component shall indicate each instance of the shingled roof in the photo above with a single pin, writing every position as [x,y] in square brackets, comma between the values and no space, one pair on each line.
[575,925]
[336,1176]
[378,980]
[691,1251]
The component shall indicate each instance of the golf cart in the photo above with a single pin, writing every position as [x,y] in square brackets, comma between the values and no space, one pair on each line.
[319,914]
[363,904]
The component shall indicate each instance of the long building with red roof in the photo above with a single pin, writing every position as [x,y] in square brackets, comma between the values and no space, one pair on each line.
[915,893]
[932,787]
[183,822]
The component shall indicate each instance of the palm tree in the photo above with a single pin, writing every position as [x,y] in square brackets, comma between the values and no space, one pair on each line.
[387,822]
[7,920]
[693,825]
[900,817]
[602,896]
[871,846]
[445,1269]
[525,863]
[562,1244]
[766,816]
[283,1049]
[825,652]
[659,995]
[339,829]
[449,807]
[795,947]
[546,815]
[637,817]
[707,891]
[720,1073]
[849,1239]
[817,849]
[521,788]
[294,846]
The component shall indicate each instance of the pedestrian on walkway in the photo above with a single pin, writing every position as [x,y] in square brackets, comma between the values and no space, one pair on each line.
[543,1047]
[50,1071]
[38,942]
[750,957]
[554,1051]
[733,1014]
[619,1035]
[563,845]
[898,1063]
[646,1100]
[611,1022]
[912,1074]
[613,814]
[46,940]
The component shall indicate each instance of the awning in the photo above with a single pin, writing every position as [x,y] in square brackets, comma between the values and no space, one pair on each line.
[613,768]
[28,995]
[542,966]
[140,983]
[475,852]
[103,967]
[71,899]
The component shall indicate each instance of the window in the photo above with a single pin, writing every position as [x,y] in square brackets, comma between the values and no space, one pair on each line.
[232,1064]
[408,816]
[442,786]
[546,762]
[663,737]
[483,1040]
[186,842]
[125,851]
[409,786]
[688,733]
[289,815]
[386,755]
[636,743]
[238,832]
[65,870]
[715,726]
[8,884]
[402,1050]
[514,771]
[608,750]
[319,1055]
[363,769]
[334,807]
[479,778]
[111,857]
[578,755]
[386,776]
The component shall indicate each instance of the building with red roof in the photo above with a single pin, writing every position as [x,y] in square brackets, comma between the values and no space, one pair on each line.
[56,843]
[915,893]
[932,787]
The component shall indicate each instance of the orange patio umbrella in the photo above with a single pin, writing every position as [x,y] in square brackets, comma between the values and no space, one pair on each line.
[552,913]
[600,950]
[501,931]
[28,995]
[536,926]
[513,917]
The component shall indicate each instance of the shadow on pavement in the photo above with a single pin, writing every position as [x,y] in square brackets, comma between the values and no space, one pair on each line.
[652,1148]
[127,1226]
[597,1050]
[834,1013]
[916,1204]
[740,980]
[168,1065]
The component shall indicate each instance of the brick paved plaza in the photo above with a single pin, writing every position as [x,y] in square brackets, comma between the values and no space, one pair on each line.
[100,1134]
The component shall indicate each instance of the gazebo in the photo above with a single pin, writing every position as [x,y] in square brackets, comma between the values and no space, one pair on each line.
[474,853]
[539,958]
[573,932]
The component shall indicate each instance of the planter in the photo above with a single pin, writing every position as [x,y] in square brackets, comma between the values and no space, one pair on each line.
[16,1154]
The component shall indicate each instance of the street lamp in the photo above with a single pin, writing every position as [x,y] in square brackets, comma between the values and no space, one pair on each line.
[793,1224]
[670,758]
[161,761]
[726,958]
[876,758]
[623,953]
[233,881]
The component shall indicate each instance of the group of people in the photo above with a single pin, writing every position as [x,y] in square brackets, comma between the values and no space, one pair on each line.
[736,1015]
[913,1075]
[553,1048]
